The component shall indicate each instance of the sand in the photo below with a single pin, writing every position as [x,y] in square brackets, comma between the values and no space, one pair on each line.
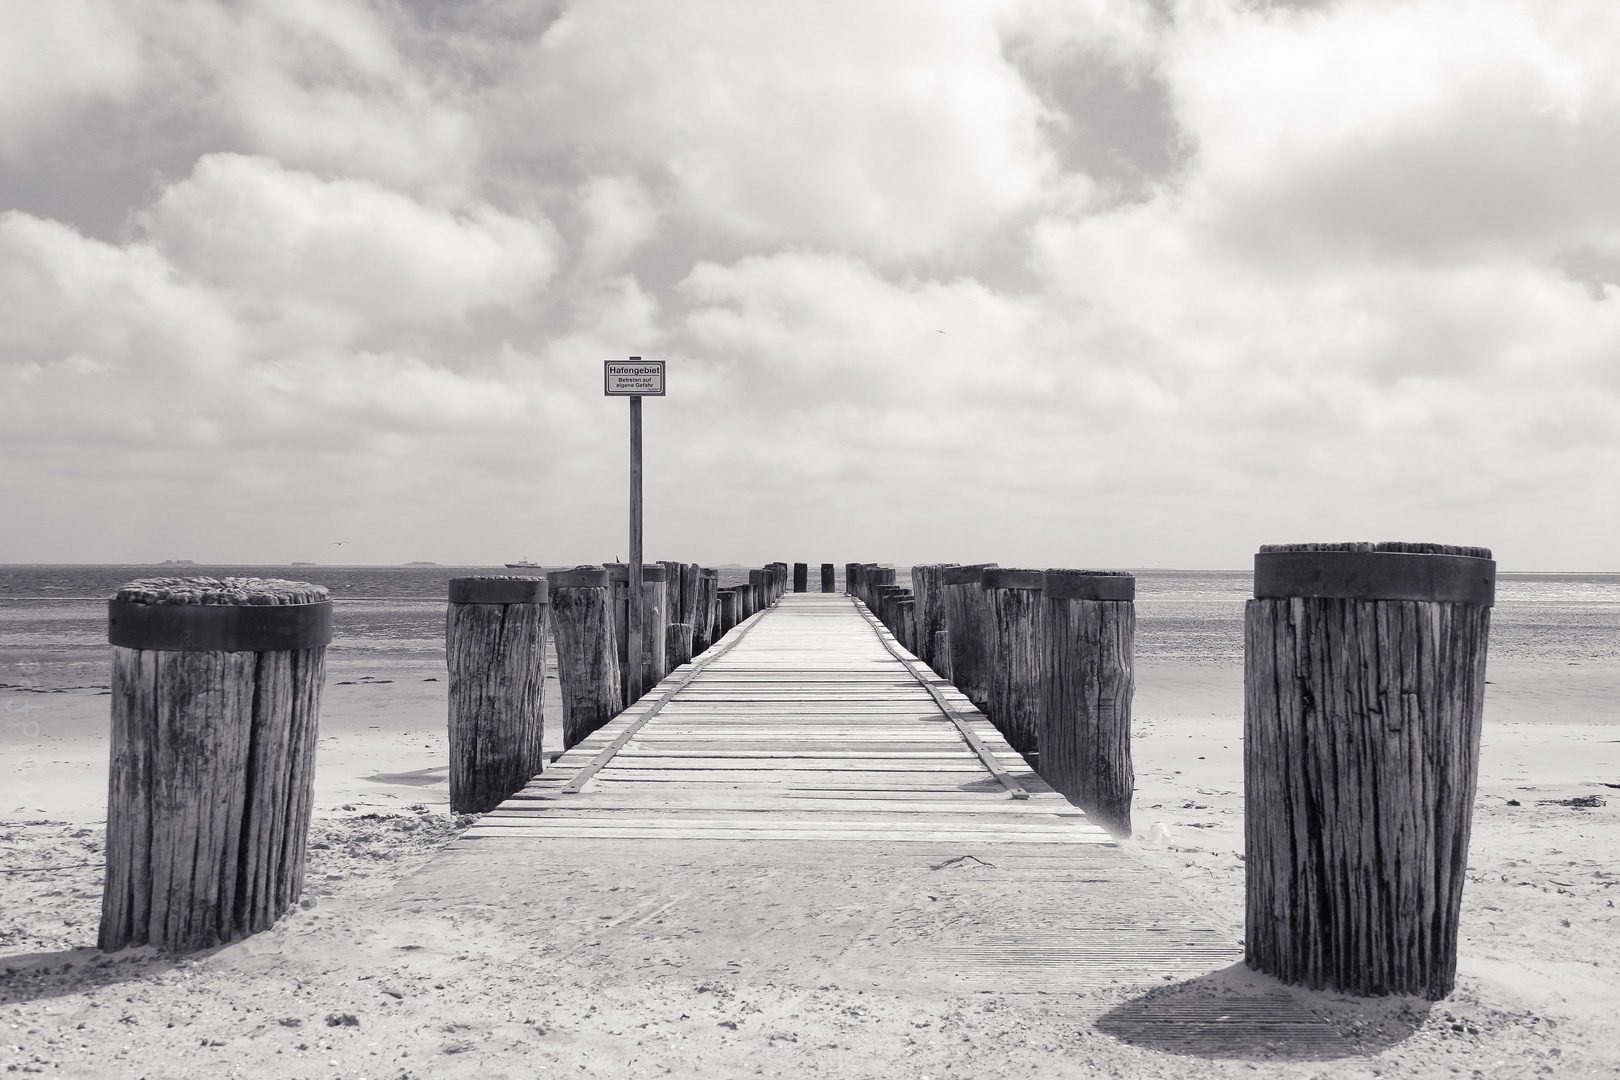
[369,979]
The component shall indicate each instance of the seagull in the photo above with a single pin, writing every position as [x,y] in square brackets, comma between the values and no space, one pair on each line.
[340,543]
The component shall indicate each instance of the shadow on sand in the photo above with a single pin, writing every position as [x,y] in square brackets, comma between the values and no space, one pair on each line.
[1238,1013]
[40,976]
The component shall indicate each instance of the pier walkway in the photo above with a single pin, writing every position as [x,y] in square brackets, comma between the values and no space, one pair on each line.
[798,801]
[806,815]
[806,723]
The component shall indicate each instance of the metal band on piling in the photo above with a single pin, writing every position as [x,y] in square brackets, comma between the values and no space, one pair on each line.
[1375,575]
[498,590]
[219,627]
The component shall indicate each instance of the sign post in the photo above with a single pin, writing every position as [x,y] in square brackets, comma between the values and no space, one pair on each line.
[634,378]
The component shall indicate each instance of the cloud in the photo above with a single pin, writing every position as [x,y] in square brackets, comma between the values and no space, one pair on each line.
[56,57]
[340,258]
[1432,130]
[1108,282]
[778,124]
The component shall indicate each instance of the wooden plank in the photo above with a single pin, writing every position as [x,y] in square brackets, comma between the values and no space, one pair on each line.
[891,835]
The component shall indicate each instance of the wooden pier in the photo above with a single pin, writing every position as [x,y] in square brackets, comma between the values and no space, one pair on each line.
[806,780]
[806,723]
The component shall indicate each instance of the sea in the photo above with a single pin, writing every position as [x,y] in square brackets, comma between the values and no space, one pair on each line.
[53,617]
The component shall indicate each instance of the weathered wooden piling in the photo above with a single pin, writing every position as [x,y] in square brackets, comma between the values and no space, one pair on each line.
[588,673]
[883,606]
[1087,679]
[729,603]
[678,647]
[654,624]
[801,577]
[1013,603]
[672,588]
[756,591]
[495,648]
[928,586]
[705,612]
[852,579]
[1364,683]
[876,577]
[966,616]
[942,654]
[654,652]
[691,595]
[216,697]
[905,618]
[829,581]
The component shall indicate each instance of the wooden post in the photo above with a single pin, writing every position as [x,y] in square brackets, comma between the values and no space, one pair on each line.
[672,589]
[1364,683]
[882,606]
[619,584]
[801,577]
[828,580]
[928,585]
[942,654]
[1087,636]
[866,580]
[756,591]
[905,616]
[852,579]
[705,610]
[876,578]
[655,601]
[495,648]
[965,617]
[588,673]
[691,595]
[1013,599]
[655,616]
[635,617]
[729,601]
[216,698]
[678,644]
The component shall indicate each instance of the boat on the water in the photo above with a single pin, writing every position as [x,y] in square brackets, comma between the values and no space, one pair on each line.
[523,564]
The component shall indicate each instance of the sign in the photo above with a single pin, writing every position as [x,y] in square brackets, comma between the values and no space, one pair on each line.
[633,378]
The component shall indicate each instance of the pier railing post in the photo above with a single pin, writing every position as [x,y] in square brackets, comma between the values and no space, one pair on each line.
[801,577]
[678,648]
[655,622]
[655,639]
[690,595]
[216,698]
[966,615]
[729,602]
[829,581]
[705,612]
[905,617]
[852,579]
[1364,684]
[928,586]
[1087,680]
[588,675]
[495,648]
[1013,600]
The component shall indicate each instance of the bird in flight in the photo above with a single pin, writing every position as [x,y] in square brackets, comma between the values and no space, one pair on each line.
[340,543]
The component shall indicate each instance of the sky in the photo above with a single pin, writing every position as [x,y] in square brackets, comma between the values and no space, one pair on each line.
[1092,283]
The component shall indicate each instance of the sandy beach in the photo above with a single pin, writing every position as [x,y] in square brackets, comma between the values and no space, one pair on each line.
[364,981]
